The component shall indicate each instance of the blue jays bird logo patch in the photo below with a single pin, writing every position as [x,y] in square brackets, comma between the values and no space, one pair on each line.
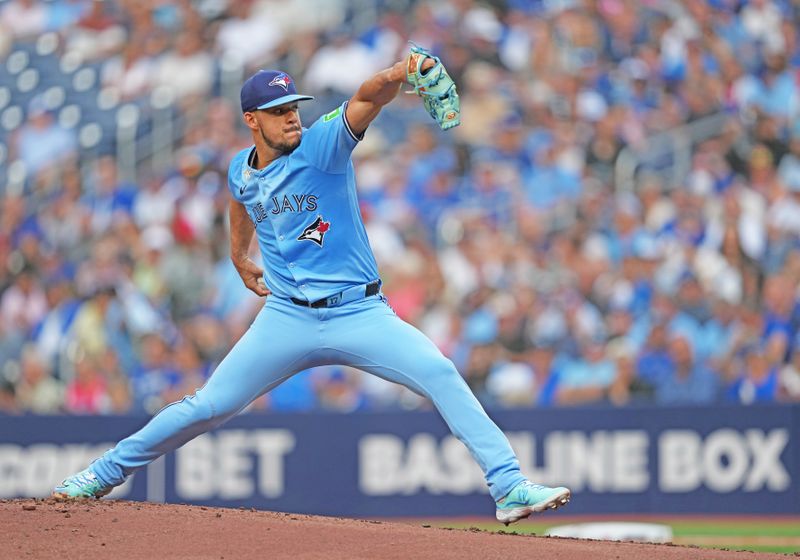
[281,80]
[315,231]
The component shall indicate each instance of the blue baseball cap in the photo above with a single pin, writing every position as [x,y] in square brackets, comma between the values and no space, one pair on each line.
[269,88]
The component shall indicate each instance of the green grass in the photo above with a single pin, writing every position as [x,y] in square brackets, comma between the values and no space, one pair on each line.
[758,534]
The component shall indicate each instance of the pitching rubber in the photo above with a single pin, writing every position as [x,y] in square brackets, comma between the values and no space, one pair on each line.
[514,515]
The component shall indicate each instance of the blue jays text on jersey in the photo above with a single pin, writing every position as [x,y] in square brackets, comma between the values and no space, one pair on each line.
[297,203]
[307,196]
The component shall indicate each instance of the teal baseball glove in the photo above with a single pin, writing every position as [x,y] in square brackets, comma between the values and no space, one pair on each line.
[435,86]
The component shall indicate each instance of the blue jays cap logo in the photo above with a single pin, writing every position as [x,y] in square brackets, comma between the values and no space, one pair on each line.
[282,80]
[315,231]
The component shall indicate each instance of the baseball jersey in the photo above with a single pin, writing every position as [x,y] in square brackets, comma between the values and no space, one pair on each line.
[306,214]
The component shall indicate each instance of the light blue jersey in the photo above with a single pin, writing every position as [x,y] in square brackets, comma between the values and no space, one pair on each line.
[305,210]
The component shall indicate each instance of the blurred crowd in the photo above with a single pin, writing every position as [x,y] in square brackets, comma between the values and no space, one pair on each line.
[509,240]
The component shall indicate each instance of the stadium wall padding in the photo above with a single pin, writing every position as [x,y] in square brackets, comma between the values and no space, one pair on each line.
[710,460]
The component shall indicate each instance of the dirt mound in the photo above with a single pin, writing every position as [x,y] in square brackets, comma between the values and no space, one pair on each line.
[123,530]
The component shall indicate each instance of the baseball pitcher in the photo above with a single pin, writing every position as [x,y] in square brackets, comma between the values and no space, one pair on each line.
[294,189]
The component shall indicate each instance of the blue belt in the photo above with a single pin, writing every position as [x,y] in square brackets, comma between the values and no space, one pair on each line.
[350,294]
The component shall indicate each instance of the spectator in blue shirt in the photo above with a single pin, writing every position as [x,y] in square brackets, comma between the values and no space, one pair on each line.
[42,143]
[757,380]
[781,307]
[654,361]
[156,379]
[691,382]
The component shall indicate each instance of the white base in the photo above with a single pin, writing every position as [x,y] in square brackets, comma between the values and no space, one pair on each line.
[614,531]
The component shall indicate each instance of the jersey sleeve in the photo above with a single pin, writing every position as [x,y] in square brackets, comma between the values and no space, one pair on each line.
[330,141]
[235,179]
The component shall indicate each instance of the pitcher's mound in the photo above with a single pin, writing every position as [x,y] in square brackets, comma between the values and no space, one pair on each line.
[122,530]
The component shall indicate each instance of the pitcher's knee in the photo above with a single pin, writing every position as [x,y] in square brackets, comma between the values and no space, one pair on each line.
[192,409]
[443,374]
[215,408]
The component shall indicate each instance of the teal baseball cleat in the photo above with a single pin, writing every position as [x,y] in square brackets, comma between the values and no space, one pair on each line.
[527,498]
[84,484]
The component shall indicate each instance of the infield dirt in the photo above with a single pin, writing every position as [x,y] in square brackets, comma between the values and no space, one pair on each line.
[123,530]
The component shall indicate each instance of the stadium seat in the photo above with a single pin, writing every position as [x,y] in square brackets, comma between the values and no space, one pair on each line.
[17,62]
[54,97]
[90,135]
[28,80]
[70,116]
[84,79]
[69,63]
[12,117]
[107,98]
[47,44]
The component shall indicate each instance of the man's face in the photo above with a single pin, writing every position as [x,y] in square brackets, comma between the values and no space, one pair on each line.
[279,127]
[681,351]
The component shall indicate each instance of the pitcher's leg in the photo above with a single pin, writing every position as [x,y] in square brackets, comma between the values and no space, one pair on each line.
[267,354]
[379,342]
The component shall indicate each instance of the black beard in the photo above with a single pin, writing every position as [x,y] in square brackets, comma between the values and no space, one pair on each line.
[282,147]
